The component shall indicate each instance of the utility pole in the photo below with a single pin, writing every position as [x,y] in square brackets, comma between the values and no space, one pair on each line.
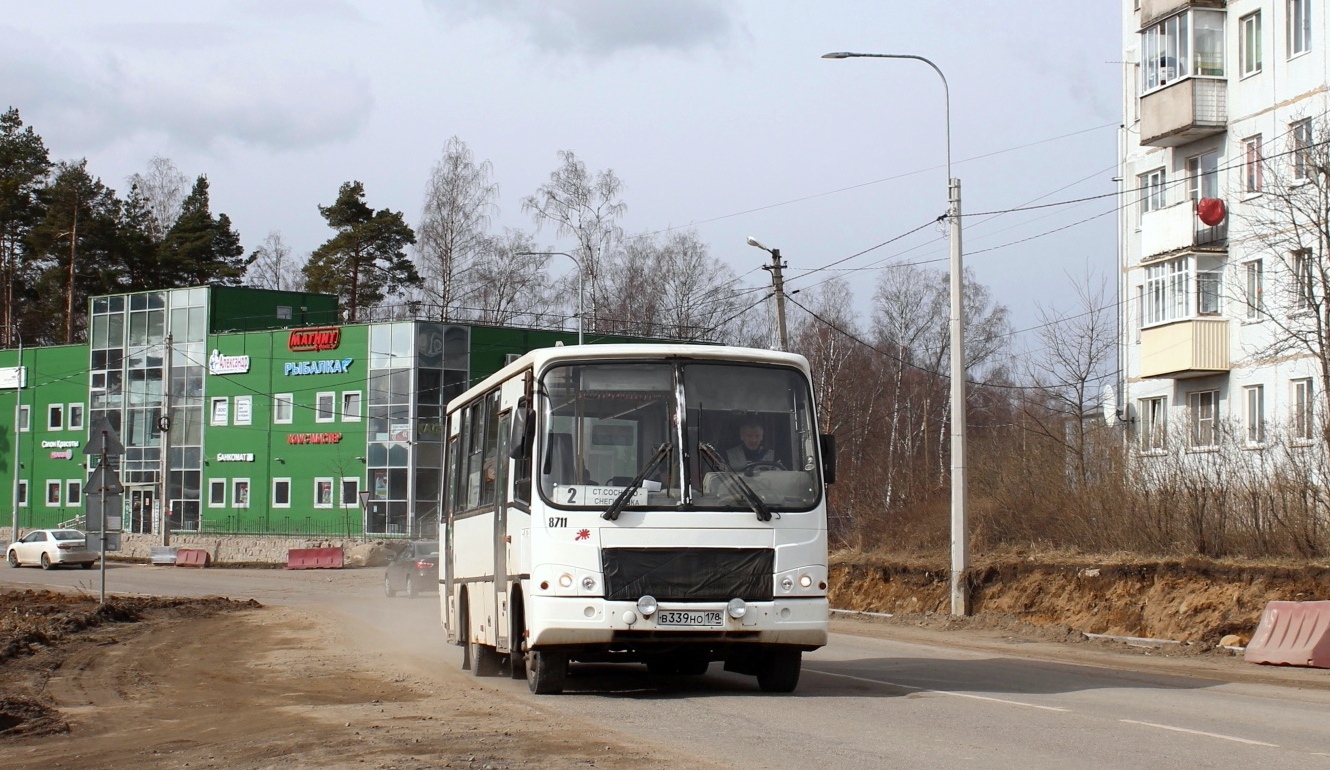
[778,284]
[18,429]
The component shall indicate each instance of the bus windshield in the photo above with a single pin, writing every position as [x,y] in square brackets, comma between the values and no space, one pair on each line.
[702,436]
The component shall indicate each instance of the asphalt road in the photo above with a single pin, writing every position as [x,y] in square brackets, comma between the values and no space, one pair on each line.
[863,701]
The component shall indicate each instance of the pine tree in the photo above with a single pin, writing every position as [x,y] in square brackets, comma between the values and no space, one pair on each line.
[24,165]
[200,249]
[366,260]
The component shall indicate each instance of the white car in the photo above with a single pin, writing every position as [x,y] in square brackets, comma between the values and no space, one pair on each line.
[52,547]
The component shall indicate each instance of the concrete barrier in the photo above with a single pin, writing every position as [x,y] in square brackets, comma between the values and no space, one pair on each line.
[162,554]
[1292,634]
[191,557]
[314,558]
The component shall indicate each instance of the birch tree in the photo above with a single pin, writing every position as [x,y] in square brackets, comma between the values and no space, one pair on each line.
[453,234]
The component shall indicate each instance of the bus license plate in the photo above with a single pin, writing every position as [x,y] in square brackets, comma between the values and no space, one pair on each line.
[690,618]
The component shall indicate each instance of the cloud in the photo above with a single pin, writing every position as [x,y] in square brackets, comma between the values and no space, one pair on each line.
[93,100]
[606,27]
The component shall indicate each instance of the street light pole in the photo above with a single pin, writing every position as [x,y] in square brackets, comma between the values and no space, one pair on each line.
[18,431]
[778,284]
[960,544]
[577,262]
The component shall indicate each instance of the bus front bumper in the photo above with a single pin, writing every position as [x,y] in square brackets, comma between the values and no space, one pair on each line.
[560,620]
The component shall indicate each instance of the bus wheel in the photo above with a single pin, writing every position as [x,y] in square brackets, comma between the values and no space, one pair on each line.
[484,660]
[545,671]
[778,670]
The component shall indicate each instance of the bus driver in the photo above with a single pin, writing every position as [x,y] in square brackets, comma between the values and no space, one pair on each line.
[750,448]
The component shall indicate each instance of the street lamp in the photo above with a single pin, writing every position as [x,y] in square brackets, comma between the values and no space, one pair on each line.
[18,429]
[960,547]
[779,283]
[577,262]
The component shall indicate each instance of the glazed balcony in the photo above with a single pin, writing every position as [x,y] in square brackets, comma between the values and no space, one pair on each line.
[1153,10]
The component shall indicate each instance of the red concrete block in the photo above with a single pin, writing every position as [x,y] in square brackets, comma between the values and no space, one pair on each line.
[1292,634]
[314,558]
[192,557]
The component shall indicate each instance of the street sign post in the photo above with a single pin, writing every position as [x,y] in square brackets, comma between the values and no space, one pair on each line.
[104,442]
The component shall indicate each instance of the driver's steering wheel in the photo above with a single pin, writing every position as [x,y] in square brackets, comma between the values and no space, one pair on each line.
[759,466]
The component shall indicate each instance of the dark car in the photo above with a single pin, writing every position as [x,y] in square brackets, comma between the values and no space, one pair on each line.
[414,570]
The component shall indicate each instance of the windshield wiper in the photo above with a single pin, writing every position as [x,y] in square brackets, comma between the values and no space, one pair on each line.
[735,482]
[620,502]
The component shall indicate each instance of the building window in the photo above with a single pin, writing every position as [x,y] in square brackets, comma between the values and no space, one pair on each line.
[216,493]
[1254,418]
[1187,44]
[55,417]
[323,407]
[239,493]
[23,494]
[281,493]
[323,493]
[1166,291]
[221,408]
[351,406]
[282,408]
[283,312]
[1251,164]
[1303,417]
[76,416]
[52,494]
[1152,186]
[244,413]
[1154,423]
[1249,47]
[1207,293]
[1300,136]
[350,492]
[1203,406]
[73,492]
[1304,287]
[1255,285]
[1203,176]
[1299,27]
[24,419]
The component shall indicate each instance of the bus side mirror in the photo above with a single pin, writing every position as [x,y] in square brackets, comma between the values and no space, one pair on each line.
[828,445]
[519,442]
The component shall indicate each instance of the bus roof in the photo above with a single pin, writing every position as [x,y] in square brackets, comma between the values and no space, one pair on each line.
[540,358]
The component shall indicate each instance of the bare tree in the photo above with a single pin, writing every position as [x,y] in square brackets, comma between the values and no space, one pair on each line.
[669,287]
[508,284]
[454,227]
[1288,227]
[1077,352]
[163,188]
[586,207]
[271,266]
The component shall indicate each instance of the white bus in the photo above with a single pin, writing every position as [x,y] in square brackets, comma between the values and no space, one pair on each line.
[660,504]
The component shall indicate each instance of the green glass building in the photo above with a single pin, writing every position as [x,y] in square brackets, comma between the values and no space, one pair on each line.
[262,413]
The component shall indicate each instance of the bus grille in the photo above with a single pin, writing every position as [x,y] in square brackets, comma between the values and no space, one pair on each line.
[689,574]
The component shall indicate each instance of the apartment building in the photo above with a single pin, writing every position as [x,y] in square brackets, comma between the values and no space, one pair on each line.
[1224,112]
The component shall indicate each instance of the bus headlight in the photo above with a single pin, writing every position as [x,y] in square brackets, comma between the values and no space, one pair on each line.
[736,608]
[647,605]
[787,584]
[588,583]
[566,580]
[805,580]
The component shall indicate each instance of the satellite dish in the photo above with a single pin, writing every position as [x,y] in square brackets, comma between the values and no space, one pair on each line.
[1211,211]
[1108,402]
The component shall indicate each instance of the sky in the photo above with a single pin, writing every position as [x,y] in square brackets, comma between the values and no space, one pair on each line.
[719,115]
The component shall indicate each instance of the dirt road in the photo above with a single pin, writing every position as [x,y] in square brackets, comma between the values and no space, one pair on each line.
[207,685]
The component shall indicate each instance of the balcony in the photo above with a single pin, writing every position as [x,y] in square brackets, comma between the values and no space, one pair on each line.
[1184,111]
[1152,10]
[1193,348]
[1177,228]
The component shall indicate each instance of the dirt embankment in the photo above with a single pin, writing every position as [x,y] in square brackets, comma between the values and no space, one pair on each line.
[1187,601]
